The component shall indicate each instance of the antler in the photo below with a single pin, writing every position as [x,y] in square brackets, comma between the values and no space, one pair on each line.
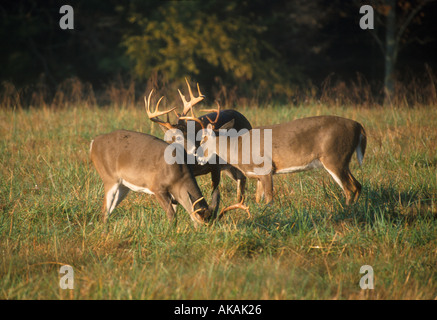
[239,205]
[194,119]
[196,211]
[188,106]
[154,115]
[213,110]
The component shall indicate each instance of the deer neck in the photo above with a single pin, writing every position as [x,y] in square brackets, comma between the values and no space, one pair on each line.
[187,192]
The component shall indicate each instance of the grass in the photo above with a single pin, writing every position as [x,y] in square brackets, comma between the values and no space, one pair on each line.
[307,245]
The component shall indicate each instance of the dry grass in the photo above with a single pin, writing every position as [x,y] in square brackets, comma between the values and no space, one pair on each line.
[307,245]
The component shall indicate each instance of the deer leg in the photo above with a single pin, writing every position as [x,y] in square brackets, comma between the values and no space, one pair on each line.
[351,187]
[259,191]
[164,199]
[114,194]
[356,187]
[241,187]
[215,194]
[241,183]
[238,176]
[108,199]
[267,185]
[174,204]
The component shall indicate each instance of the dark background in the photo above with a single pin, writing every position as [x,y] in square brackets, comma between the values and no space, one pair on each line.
[279,46]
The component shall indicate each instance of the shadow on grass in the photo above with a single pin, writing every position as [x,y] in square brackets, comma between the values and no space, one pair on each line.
[396,205]
[387,203]
[292,221]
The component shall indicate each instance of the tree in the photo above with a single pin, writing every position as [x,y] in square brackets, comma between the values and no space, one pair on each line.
[395,18]
[245,45]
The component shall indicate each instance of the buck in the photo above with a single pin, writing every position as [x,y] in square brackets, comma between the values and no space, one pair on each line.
[303,144]
[219,118]
[128,160]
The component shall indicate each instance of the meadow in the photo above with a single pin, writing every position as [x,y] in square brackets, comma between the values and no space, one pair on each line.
[306,245]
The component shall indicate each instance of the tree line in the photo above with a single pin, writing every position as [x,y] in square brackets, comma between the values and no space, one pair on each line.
[276,48]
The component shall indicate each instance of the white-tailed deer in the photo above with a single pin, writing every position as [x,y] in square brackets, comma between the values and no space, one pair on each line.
[304,144]
[231,118]
[128,160]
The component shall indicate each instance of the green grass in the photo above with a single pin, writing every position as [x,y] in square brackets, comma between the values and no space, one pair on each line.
[307,245]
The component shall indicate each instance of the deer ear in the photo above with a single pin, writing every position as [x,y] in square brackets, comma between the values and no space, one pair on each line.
[228,125]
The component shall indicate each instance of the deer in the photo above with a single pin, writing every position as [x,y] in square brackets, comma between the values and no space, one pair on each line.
[128,160]
[231,118]
[303,144]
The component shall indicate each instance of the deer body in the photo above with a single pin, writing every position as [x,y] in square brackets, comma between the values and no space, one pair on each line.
[229,118]
[232,119]
[128,160]
[303,144]
[238,121]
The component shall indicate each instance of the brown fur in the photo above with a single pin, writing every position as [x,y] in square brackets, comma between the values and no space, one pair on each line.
[329,139]
[139,159]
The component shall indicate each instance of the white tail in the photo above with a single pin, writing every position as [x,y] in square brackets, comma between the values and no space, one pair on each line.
[361,148]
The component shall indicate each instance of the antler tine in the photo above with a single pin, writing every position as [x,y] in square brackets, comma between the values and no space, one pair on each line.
[239,205]
[193,119]
[188,106]
[213,110]
[191,92]
[193,214]
[197,201]
[198,91]
[184,101]
[189,89]
[154,115]
[147,102]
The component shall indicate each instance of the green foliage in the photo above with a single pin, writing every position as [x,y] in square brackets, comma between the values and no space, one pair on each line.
[251,49]
[179,40]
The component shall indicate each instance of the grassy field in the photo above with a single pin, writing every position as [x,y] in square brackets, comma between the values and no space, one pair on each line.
[307,245]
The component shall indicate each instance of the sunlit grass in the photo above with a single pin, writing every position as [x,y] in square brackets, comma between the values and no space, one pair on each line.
[307,245]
